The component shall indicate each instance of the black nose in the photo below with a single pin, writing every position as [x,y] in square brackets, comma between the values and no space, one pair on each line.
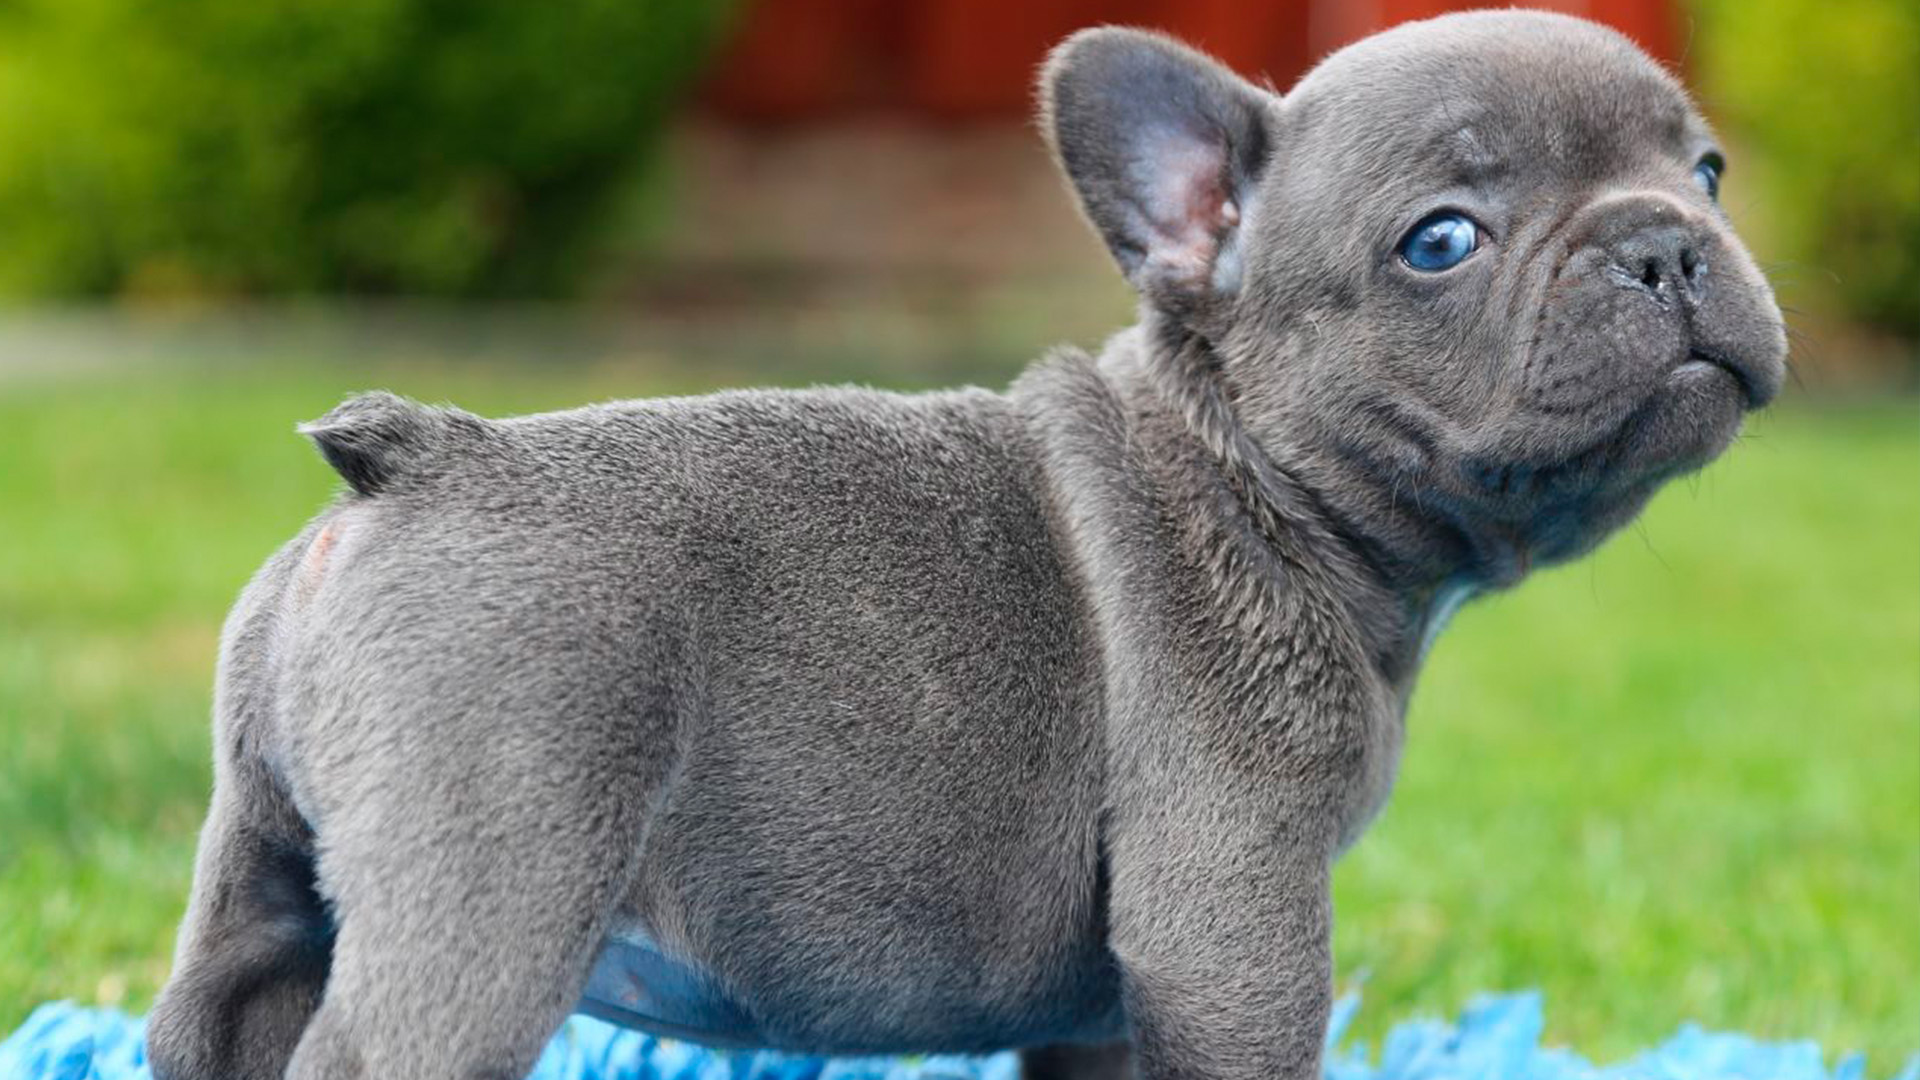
[1664,260]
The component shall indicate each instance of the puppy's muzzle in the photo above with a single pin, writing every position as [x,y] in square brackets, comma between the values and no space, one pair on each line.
[1671,257]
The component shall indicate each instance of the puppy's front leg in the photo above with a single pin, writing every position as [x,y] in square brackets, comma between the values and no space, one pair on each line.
[1222,924]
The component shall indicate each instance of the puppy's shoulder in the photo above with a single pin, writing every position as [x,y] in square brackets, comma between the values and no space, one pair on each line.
[1079,422]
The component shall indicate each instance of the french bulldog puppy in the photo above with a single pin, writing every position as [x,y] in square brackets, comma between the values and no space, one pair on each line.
[849,722]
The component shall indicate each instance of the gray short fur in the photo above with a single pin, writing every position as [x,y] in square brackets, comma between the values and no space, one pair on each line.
[846,721]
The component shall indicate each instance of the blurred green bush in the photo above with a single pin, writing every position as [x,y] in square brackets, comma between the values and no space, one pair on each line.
[449,147]
[1826,95]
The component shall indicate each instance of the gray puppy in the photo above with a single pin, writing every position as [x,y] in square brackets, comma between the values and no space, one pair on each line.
[849,722]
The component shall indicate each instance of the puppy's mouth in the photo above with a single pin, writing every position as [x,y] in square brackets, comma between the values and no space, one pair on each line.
[1642,427]
[1701,362]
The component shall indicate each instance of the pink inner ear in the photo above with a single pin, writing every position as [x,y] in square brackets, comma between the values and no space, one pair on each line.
[1188,207]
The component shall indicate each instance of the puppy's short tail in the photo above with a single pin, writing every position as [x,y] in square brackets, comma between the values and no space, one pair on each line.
[378,440]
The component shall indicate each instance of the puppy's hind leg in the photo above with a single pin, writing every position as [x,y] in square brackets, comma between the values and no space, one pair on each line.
[253,952]
[471,898]
[460,963]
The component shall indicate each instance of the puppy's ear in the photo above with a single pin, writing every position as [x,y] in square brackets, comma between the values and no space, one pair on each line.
[1163,146]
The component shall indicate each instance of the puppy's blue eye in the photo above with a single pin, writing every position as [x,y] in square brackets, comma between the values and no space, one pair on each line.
[1707,175]
[1440,242]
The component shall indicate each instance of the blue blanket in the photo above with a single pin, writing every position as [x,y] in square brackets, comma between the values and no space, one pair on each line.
[1497,1038]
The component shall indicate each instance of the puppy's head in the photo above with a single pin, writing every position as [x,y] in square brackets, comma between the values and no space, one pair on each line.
[1470,274]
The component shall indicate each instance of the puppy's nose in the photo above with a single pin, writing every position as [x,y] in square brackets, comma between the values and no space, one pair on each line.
[1664,261]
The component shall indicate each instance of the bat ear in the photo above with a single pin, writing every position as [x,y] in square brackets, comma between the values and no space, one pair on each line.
[1163,146]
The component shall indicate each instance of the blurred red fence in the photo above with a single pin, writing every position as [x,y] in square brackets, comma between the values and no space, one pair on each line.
[803,60]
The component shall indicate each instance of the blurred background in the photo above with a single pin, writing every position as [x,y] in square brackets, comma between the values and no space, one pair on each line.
[1679,781]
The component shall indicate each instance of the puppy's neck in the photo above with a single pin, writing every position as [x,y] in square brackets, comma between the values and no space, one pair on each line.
[1397,614]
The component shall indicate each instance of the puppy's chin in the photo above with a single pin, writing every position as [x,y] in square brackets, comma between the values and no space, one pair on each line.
[1539,510]
[1688,421]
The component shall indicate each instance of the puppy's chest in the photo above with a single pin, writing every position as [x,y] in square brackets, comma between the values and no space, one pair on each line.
[1303,712]
[1372,784]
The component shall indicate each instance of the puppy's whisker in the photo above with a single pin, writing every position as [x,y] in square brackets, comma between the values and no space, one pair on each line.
[1646,541]
[1775,269]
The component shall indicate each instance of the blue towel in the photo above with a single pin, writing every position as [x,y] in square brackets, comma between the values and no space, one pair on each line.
[1497,1038]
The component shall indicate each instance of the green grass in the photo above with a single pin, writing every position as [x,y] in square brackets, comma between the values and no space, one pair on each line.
[1678,781]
